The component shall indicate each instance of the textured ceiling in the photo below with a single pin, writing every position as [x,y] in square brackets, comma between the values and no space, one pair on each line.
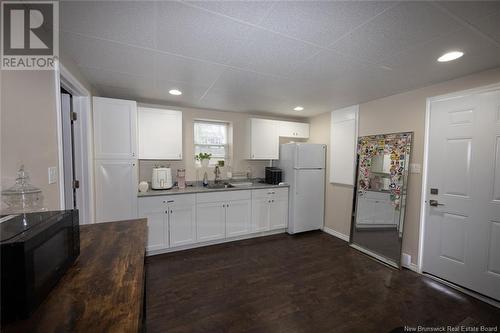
[269,57]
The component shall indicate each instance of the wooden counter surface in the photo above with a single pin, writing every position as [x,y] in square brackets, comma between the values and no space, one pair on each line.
[103,291]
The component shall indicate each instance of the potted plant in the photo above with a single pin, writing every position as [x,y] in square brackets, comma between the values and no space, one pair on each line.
[203,158]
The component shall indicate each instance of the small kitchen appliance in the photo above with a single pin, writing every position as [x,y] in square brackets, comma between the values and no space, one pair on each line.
[273,175]
[162,179]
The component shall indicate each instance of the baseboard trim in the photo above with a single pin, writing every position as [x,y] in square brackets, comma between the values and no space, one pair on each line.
[215,242]
[335,233]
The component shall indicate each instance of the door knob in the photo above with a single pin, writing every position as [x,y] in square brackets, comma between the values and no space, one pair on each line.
[435,203]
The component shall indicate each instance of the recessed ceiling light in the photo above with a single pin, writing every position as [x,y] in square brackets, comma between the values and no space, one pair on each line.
[175,92]
[450,56]
[298,108]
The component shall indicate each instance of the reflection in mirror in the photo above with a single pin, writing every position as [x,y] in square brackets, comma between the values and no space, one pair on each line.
[380,195]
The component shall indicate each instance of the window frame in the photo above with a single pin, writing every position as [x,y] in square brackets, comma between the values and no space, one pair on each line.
[212,162]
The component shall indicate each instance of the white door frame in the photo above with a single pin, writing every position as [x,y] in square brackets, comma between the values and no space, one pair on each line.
[81,99]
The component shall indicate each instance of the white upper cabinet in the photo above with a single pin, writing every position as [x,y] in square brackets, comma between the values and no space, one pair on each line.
[264,139]
[160,134]
[264,136]
[115,128]
[292,129]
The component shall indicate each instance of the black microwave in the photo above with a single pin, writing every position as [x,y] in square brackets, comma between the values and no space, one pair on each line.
[36,249]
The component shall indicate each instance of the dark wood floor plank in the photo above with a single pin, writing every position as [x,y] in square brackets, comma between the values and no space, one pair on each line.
[311,282]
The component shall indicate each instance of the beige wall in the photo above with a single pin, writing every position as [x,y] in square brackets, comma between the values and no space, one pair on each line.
[28,126]
[237,122]
[28,129]
[397,113]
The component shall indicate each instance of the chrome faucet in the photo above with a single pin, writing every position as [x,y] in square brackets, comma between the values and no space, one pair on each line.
[217,174]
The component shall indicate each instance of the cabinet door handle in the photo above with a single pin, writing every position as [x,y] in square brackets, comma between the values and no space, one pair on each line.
[169,201]
[166,212]
[223,206]
[171,211]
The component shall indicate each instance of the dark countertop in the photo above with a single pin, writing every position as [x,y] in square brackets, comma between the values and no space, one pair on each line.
[201,189]
[103,291]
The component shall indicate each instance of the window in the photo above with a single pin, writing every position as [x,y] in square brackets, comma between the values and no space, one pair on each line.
[211,137]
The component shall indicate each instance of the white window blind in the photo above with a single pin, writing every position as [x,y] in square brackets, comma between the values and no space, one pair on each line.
[211,137]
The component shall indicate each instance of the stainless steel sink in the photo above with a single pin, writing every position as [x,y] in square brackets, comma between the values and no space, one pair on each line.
[241,184]
[219,185]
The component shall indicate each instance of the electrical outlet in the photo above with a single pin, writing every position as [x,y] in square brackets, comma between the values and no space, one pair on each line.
[52,175]
[405,260]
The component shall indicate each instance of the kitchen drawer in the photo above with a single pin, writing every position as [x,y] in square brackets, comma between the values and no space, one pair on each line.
[278,193]
[159,202]
[223,196]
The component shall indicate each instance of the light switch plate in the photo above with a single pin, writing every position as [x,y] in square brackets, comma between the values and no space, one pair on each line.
[415,168]
[52,175]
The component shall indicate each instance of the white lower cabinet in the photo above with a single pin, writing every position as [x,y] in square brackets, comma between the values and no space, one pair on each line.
[278,213]
[171,220]
[182,222]
[260,214]
[223,214]
[269,209]
[184,219]
[210,222]
[238,217]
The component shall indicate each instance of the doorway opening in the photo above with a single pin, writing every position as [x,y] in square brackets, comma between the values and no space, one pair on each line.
[75,145]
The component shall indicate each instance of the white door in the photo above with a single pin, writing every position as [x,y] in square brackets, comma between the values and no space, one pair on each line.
[210,221]
[115,128]
[260,214]
[182,224]
[264,139]
[115,190]
[159,134]
[462,226]
[238,217]
[310,156]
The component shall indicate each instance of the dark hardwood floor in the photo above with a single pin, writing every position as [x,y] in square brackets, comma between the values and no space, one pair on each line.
[311,282]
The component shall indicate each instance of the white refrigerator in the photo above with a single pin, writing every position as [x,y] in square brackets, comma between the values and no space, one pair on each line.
[303,167]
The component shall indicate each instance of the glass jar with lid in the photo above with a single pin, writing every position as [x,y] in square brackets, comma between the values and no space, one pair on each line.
[23,197]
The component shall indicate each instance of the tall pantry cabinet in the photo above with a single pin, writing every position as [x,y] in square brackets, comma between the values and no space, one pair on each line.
[116,165]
